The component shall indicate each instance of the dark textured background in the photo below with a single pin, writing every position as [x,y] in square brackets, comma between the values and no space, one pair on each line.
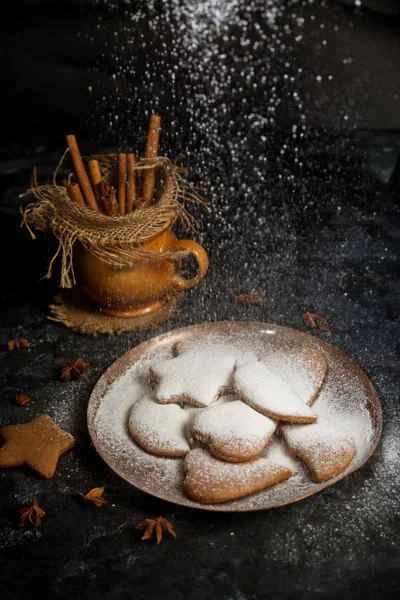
[314,221]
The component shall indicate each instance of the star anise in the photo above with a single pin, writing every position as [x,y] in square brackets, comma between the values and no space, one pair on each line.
[254,298]
[19,343]
[22,399]
[315,321]
[72,369]
[95,496]
[159,527]
[31,515]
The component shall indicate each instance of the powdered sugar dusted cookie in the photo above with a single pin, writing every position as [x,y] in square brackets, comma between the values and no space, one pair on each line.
[303,369]
[233,431]
[208,343]
[210,481]
[196,377]
[264,391]
[324,447]
[159,429]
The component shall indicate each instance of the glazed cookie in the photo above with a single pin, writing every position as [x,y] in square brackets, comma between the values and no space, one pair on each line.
[37,445]
[159,429]
[195,377]
[241,355]
[264,391]
[303,369]
[211,481]
[325,448]
[232,431]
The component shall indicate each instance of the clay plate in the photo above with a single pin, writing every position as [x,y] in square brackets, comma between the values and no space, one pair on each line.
[347,396]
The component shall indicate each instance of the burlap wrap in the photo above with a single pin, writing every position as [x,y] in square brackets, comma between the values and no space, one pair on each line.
[115,240]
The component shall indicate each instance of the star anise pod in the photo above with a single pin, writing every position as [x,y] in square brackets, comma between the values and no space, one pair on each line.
[31,515]
[95,496]
[159,527]
[22,399]
[19,343]
[315,321]
[72,369]
[254,298]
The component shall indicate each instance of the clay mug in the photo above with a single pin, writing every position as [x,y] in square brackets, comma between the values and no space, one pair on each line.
[144,286]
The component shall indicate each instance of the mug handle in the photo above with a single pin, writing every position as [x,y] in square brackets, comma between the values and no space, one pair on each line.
[201,256]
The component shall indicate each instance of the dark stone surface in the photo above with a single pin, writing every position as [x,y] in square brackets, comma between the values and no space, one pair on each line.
[321,236]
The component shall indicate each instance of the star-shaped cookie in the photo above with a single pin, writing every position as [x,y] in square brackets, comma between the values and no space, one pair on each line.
[37,444]
[196,377]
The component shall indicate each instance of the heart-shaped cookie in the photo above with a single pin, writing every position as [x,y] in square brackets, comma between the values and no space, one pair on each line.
[264,391]
[207,343]
[325,448]
[232,431]
[211,481]
[159,429]
[303,369]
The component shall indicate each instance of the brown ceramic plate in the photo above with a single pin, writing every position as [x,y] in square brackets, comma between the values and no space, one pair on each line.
[347,397]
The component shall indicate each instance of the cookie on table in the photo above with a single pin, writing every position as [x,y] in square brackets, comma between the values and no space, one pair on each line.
[324,447]
[37,445]
[303,369]
[232,431]
[195,377]
[159,428]
[209,480]
[263,390]
[242,355]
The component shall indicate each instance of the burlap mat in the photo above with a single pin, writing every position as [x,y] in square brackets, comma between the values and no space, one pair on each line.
[74,310]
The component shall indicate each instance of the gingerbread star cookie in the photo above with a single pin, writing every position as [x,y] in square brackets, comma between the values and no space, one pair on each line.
[264,391]
[232,431]
[210,481]
[303,369]
[196,377]
[324,447]
[37,444]
[159,428]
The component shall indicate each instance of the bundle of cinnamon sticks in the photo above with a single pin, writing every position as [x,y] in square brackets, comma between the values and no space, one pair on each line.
[124,197]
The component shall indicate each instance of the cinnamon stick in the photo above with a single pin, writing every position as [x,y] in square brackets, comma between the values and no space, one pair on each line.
[74,192]
[80,172]
[149,176]
[95,176]
[108,200]
[111,199]
[130,183]
[121,185]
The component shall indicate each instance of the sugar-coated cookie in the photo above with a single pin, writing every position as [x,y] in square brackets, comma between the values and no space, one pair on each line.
[37,445]
[232,431]
[209,344]
[196,377]
[159,428]
[325,448]
[211,481]
[303,369]
[263,390]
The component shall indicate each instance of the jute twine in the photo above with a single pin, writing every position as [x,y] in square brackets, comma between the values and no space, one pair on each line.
[114,240]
